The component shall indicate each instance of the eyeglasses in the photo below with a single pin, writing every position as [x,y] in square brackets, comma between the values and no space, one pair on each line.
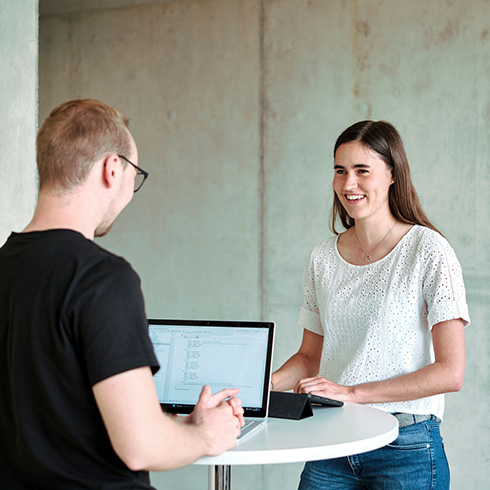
[141,175]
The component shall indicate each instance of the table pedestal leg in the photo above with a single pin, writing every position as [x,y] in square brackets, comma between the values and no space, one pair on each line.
[219,477]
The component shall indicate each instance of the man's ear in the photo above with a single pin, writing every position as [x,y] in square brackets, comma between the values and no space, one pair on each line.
[110,169]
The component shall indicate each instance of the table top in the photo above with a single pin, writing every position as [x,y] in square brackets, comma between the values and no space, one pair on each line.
[332,432]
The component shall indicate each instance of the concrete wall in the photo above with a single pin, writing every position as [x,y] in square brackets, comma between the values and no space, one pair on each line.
[235,106]
[18,108]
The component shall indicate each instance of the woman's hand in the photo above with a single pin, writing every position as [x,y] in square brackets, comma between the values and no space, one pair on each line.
[323,387]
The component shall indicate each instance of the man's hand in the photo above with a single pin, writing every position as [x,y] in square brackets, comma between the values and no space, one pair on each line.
[236,405]
[147,439]
[220,417]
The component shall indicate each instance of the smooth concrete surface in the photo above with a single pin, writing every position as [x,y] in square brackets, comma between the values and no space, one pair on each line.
[199,143]
[56,7]
[235,106]
[18,109]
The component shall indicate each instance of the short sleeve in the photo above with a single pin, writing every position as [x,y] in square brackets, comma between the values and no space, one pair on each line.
[309,315]
[443,286]
[111,321]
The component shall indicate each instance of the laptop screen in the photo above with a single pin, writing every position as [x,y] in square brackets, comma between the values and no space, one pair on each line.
[193,353]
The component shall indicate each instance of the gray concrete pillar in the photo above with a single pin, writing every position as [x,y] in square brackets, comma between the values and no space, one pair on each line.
[18,110]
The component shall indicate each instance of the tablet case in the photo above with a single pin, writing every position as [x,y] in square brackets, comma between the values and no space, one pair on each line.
[288,405]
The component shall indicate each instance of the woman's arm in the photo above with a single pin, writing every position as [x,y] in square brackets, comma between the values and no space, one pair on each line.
[305,363]
[443,376]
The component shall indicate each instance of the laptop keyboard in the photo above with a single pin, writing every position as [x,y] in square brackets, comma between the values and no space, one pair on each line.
[250,426]
[248,423]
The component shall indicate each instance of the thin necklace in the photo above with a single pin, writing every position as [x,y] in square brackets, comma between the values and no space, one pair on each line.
[369,255]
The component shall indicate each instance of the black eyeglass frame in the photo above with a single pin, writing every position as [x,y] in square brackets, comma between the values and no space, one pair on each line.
[139,171]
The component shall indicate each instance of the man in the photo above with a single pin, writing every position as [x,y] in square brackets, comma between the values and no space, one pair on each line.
[78,406]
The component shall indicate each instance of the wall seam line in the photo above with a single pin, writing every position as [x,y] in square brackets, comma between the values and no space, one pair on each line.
[262,192]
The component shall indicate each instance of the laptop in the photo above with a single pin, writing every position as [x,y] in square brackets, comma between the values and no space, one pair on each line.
[221,354]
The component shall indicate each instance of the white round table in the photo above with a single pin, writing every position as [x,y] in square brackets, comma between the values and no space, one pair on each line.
[330,433]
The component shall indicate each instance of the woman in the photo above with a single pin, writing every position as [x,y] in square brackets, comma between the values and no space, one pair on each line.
[384,312]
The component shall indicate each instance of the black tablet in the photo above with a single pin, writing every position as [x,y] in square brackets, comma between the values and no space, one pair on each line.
[327,402]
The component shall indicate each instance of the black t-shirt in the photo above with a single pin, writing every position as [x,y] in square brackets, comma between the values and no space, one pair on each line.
[71,315]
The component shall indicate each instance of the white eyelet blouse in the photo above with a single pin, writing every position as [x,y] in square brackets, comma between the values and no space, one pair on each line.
[377,318]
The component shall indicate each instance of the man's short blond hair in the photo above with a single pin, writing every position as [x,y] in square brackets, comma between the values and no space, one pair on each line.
[75,135]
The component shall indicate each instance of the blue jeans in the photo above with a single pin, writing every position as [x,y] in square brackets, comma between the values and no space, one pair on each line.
[414,461]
